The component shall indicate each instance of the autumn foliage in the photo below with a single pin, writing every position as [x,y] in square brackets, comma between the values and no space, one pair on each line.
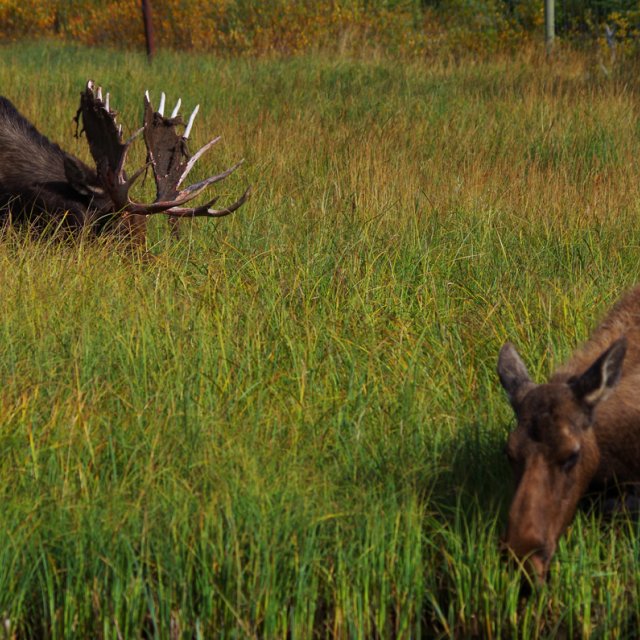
[275,26]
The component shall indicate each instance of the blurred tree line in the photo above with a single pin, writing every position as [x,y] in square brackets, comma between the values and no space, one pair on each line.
[257,27]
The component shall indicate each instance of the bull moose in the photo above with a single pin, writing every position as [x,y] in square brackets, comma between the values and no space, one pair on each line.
[579,431]
[41,183]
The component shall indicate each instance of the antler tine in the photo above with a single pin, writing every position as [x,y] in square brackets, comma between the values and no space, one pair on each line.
[197,188]
[192,117]
[205,211]
[176,109]
[160,206]
[163,97]
[133,136]
[196,156]
[137,174]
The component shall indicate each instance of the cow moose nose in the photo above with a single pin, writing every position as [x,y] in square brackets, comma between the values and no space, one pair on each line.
[534,563]
[534,573]
[538,563]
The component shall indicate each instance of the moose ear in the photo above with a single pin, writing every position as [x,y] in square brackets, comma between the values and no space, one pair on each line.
[79,178]
[513,374]
[597,381]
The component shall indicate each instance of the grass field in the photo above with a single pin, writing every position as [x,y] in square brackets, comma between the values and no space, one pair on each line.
[289,424]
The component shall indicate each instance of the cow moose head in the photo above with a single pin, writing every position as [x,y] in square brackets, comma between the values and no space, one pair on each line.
[556,449]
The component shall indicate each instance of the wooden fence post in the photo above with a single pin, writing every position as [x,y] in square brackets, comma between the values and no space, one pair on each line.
[148,29]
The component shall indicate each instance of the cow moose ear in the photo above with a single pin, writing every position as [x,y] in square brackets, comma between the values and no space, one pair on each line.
[513,374]
[602,376]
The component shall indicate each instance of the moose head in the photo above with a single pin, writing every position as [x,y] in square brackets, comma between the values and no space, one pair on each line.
[38,180]
[554,450]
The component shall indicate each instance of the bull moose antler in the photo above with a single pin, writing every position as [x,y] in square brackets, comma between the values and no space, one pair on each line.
[167,153]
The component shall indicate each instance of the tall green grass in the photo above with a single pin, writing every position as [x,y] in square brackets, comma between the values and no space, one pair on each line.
[288,423]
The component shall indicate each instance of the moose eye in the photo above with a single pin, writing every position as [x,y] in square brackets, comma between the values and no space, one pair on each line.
[569,462]
[509,453]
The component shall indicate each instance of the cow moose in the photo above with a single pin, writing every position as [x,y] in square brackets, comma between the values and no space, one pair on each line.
[42,184]
[578,431]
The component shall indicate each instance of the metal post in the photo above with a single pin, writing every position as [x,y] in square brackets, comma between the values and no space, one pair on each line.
[148,28]
[549,24]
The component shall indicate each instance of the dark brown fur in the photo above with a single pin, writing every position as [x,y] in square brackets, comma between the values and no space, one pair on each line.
[40,183]
[579,430]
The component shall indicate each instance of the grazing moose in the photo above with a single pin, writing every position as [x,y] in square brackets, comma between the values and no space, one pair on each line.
[579,430]
[40,183]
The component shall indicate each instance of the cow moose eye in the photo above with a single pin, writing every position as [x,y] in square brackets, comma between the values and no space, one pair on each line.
[570,462]
[511,456]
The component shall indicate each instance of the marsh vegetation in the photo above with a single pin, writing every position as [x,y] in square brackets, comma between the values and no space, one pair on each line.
[289,422]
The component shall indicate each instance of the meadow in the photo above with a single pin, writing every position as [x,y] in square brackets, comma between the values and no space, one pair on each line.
[288,423]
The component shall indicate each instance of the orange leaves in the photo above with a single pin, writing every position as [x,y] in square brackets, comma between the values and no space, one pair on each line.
[269,27]
[23,18]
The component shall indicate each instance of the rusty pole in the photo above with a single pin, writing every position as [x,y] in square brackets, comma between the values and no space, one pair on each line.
[148,29]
